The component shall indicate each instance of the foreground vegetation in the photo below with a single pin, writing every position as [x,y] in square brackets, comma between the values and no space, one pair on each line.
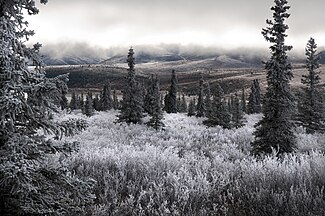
[188,169]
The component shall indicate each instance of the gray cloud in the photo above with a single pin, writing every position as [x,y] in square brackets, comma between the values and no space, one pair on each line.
[209,22]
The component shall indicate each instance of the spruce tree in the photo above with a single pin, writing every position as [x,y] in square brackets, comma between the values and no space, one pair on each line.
[115,100]
[200,107]
[64,102]
[179,103]
[81,101]
[156,111]
[96,103]
[237,115]
[243,101]
[171,97]
[89,106]
[310,108]
[106,101]
[183,106]
[274,131]
[208,103]
[191,108]
[74,104]
[29,185]
[132,102]
[219,114]
[254,100]
[149,99]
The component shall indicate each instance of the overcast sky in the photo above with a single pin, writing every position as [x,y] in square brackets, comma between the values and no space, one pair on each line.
[222,23]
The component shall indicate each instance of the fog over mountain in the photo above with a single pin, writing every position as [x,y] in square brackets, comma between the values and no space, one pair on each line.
[82,53]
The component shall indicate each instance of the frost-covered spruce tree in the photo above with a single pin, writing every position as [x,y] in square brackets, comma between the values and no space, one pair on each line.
[191,108]
[183,106]
[96,103]
[156,111]
[243,101]
[149,99]
[274,131]
[254,100]
[106,101]
[64,101]
[115,100]
[89,105]
[237,115]
[310,108]
[219,114]
[81,101]
[208,103]
[171,97]
[31,182]
[74,104]
[200,107]
[132,102]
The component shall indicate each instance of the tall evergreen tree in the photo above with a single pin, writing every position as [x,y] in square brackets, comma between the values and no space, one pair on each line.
[183,106]
[81,101]
[311,108]
[171,97]
[115,100]
[74,104]
[274,131]
[156,111]
[106,101]
[243,101]
[132,102]
[149,99]
[237,115]
[219,114]
[29,185]
[254,100]
[208,103]
[191,108]
[96,103]
[200,107]
[89,106]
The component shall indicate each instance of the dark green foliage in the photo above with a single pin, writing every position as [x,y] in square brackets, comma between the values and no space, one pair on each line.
[200,107]
[243,101]
[254,100]
[89,106]
[219,114]
[132,103]
[32,181]
[106,101]
[171,97]
[310,106]
[156,111]
[274,131]
[74,104]
[191,108]
[237,114]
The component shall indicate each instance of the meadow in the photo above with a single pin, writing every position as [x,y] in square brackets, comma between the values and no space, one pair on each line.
[188,169]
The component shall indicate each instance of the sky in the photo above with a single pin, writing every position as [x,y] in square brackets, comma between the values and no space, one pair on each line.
[227,24]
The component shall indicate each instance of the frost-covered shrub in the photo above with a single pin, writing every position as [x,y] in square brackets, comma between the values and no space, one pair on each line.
[189,169]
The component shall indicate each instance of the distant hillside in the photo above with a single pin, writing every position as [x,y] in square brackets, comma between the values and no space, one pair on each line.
[71,60]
